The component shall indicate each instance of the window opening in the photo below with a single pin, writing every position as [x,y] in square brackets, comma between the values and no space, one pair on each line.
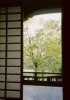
[43,47]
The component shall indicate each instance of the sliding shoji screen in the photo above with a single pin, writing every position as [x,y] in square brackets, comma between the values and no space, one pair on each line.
[2,51]
[11,49]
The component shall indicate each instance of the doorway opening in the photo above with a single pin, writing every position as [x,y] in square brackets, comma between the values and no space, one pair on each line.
[42,54]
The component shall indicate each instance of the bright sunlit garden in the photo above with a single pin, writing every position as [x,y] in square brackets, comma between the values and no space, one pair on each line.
[43,43]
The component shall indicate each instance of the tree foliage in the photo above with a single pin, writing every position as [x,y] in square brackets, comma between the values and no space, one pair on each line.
[43,51]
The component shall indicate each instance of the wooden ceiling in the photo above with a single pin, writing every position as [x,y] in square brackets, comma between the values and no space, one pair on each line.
[31,5]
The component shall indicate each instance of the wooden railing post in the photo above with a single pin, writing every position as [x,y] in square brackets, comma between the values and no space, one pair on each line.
[35,76]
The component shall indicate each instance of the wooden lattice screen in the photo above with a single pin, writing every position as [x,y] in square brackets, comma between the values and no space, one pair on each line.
[11,53]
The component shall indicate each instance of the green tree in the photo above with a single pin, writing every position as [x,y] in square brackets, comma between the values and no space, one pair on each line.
[42,51]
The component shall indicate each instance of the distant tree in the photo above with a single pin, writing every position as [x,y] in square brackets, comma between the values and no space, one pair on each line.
[43,51]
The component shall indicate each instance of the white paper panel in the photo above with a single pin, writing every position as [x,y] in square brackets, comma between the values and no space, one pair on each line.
[14,46]
[2,39]
[2,46]
[15,70]
[3,25]
[14,24]
[15,78]
[2,32]
[2,10]
[13,94]
[14,39]
[1,93]
[2,69]
[12,86]
[2,17]
[14,17]
[14,31]
[2,54]
[2,61]
[2,85]
[13,54]
[14,9]
[13,62]
[2,77]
